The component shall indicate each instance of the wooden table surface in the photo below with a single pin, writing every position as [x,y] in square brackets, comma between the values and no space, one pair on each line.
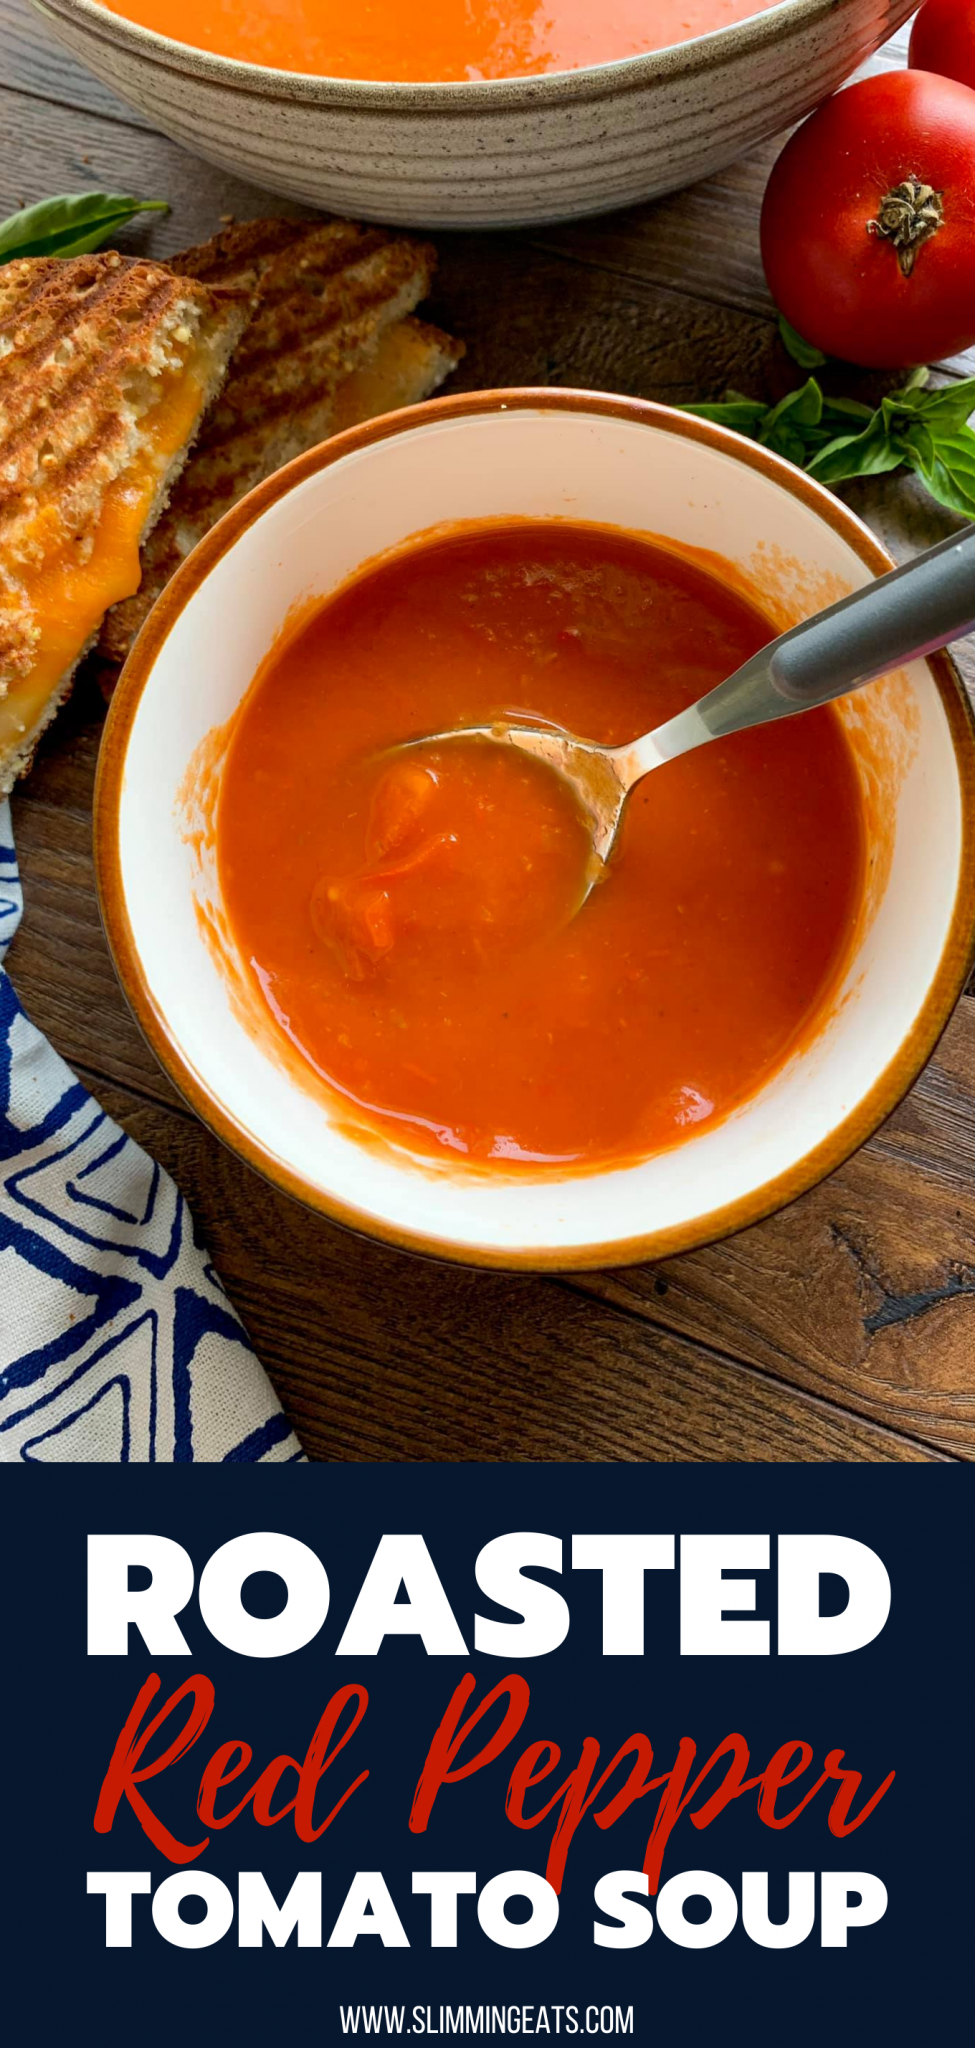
[843,1328]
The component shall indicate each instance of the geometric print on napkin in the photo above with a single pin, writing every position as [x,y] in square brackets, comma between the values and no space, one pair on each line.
[117,1341]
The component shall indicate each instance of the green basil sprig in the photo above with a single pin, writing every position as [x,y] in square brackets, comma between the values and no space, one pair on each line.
[70,225]
[833,439]
[801,351]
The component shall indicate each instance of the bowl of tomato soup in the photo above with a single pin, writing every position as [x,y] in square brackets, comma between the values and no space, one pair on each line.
[367,955]
[473,112]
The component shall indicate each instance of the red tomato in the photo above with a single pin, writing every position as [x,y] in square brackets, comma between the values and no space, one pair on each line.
[943,39]
[868,223]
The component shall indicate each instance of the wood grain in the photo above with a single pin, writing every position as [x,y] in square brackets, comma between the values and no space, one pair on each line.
[843,1328]
[50,148]
[864,1290]
[33,62]
[379,1355]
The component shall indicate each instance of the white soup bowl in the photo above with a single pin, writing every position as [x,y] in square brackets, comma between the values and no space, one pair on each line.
[527,453]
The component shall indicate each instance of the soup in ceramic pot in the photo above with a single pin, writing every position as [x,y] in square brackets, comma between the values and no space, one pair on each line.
[440,41]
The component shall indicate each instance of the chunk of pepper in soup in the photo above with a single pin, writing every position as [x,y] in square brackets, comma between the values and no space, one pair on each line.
[412,917]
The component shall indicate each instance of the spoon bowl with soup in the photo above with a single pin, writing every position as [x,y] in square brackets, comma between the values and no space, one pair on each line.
[927,603]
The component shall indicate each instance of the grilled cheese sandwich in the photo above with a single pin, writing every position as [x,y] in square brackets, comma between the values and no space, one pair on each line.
[107,365]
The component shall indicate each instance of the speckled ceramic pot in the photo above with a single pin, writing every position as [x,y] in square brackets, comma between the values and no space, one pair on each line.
[488,154]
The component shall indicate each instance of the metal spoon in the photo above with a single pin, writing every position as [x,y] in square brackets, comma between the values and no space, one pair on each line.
[905,614]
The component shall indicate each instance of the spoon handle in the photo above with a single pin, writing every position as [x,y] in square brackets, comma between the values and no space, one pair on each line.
[907,613]
[902,615]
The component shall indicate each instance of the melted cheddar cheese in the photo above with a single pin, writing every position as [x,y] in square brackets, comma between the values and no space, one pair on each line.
[69,596]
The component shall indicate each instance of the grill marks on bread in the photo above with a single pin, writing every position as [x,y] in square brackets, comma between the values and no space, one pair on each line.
[83,344]
[87,346]
[324,295]
[318,317]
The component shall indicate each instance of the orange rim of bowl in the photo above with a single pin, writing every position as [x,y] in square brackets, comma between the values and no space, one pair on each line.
[892,1083]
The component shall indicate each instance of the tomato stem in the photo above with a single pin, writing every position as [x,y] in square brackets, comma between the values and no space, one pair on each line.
[909,214]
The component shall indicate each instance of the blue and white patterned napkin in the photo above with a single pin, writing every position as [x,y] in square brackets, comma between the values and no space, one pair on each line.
[117,1342]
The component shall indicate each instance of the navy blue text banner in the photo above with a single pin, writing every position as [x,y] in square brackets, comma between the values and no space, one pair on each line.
[575,1752]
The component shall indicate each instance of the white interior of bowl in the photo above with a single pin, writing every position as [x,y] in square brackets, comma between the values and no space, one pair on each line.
[537,463]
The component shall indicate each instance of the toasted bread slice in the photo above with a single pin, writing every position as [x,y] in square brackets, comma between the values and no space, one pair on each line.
[107,365]
[328,346]
[409,362]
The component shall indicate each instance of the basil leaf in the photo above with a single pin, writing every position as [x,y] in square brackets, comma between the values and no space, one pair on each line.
[901,408]
[946,466]
[804,407]
[842,409]
[802,352]
[871,453]
[744,415]
[944,409]
[834,439]
[794,427]
[788,444]
[70,225]
[915,391]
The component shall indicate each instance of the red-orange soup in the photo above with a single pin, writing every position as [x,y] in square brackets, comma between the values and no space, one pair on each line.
[438,41]
[411,919]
